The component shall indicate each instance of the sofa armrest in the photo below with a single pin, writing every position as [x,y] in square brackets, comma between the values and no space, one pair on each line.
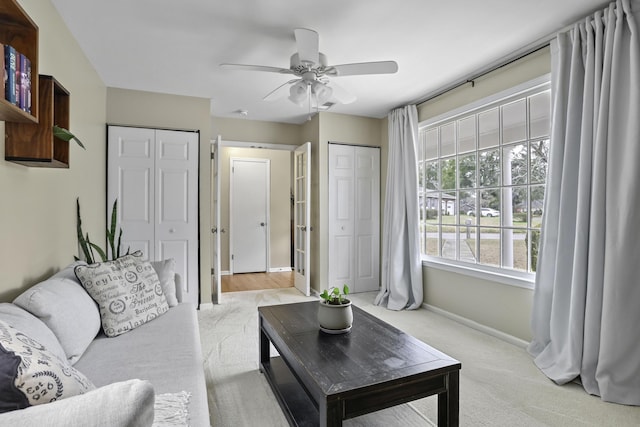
[122,404]
[178,287]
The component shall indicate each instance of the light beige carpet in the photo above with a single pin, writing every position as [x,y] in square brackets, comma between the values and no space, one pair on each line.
[499,384]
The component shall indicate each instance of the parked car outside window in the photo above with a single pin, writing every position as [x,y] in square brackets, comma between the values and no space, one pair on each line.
[485,212]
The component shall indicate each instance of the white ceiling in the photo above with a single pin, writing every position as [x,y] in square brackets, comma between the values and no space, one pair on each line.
[176,47]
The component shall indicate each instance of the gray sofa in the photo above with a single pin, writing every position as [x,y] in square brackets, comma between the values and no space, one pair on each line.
[129,371]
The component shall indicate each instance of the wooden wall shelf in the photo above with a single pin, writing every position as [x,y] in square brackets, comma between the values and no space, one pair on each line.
[18,30]
[34,144]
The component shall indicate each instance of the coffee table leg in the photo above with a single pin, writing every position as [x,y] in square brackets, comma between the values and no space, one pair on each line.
[330,414]
[448,402]
[264,347]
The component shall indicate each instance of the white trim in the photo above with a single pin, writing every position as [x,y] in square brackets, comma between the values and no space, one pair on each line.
[263,145]
[522,280]
[279,269]
[206,306]
[478,326]
[225,273]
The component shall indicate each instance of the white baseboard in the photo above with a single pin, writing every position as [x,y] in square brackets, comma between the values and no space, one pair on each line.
[225,273]
[479,327]
[206,306]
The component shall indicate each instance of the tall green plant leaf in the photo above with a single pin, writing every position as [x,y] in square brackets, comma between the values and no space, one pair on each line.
[65,135]
[81,240]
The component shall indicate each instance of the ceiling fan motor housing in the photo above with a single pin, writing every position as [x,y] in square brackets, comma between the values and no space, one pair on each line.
[299,67]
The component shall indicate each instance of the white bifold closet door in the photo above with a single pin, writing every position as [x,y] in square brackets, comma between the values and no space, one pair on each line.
[153,173]
[354,217]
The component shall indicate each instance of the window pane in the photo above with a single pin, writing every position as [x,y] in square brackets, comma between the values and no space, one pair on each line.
[447,139]
[467,207]
[515,201]
[533,245]
[515,171]
[489,168]
[430,174]
[514,249]
[488,125]
[449,242]
[539,114]
[431,144]
[467,171]
[467,134]
[514,122]
[490,207]
[489,247]
[539,160]
[448,171]
[466,248]
[537,205]
[448,204]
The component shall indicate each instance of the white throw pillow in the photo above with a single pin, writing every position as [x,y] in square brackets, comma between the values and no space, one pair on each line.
[26,322]
[31,375]
[166,271]
[65,307]
[127,290]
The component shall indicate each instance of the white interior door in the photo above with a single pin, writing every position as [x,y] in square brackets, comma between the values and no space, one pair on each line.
[154,176]
[249,215]
[367,219]
[216,284]
[341,216]
[302,217]
[354,217]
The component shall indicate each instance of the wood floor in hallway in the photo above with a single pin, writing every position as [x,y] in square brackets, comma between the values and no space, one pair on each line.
[257,281]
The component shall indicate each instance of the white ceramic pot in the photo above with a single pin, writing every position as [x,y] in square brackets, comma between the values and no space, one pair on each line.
[335,318]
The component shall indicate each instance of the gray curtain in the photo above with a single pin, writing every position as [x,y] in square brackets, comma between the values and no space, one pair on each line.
[586,309]
[401,278]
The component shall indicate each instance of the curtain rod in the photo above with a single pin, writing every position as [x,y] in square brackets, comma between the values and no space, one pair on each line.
[496,65]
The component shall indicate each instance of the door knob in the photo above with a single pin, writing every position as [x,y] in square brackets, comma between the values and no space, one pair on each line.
[262,224]
[172,230]
[214,230]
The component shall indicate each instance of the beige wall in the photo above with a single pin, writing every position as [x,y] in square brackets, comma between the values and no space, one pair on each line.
[279,209]
[155,110]
[499,306]
[38,207]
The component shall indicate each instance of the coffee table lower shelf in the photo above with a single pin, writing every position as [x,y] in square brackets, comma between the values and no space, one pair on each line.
[296,404]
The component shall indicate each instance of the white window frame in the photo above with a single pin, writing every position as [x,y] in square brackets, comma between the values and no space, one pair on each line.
[481,271]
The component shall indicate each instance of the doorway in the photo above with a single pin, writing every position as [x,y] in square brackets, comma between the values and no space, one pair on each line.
[279,263]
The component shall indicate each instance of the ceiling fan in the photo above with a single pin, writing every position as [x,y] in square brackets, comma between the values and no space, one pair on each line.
[312,82]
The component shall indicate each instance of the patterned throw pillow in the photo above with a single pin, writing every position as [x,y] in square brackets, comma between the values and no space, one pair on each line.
[31,375]
[127,290]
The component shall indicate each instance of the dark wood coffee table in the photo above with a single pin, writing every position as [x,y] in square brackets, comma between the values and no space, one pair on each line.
[322,379]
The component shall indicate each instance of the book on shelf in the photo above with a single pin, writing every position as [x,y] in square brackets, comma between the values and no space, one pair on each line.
[25,83]
[11,67]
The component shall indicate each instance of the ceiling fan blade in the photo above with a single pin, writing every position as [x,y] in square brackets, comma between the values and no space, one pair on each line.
[278,92]
[307,42]
[257,68]
[381,67]
[341,94]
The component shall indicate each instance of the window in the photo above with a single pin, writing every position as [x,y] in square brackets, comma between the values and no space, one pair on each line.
[482,172]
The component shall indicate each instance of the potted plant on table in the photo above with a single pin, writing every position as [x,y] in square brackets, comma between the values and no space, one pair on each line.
[334,312]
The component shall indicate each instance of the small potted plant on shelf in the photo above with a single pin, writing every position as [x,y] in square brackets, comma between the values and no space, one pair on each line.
[334,312]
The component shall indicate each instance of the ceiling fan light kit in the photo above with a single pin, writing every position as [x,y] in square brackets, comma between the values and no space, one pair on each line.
[310,67]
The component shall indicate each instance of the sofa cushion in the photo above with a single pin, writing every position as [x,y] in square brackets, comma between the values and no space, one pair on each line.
[31,375]
[121,404]
[66,308]
[26,322]
[127,290]
[166,271]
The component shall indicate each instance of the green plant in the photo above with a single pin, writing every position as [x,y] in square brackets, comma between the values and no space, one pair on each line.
[65,135]
[88,246]
[334,296]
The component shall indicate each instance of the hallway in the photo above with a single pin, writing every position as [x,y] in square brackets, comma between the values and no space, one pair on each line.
[257,281]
